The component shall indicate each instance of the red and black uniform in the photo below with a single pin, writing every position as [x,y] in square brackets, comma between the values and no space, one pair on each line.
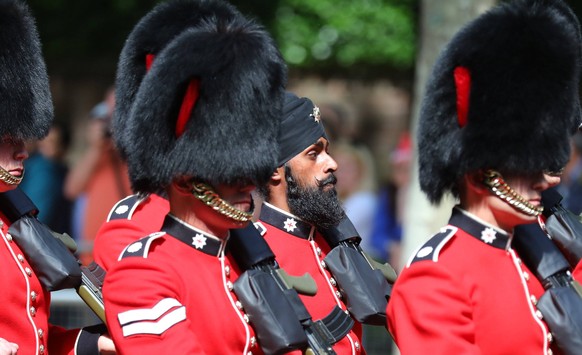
[129,220]
[466,291]
[299,248]
[26,305]
[173,292]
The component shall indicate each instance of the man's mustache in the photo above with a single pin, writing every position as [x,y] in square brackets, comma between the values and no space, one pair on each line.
[331,179]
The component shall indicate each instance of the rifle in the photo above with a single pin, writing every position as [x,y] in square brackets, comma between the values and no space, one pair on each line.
[561,304]
[365,283]
[270,298]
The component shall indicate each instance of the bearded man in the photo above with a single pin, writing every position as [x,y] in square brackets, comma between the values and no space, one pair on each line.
[300,198]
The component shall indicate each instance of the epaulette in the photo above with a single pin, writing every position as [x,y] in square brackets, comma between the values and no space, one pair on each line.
[141,247]
[431,249]
[124,208]
[260,227]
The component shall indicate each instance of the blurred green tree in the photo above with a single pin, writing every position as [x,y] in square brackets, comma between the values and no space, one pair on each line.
[84,38]
[345,36]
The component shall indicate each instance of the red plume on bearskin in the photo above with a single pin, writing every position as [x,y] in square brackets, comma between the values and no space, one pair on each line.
[504,94]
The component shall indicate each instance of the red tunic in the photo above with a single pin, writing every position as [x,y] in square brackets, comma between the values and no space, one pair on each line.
[172,292]
[466,291]
[300,249]
[129,220]
[26,304]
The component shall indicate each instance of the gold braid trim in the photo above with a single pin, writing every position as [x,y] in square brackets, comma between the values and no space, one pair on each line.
[499,187]
[204,193]
[9,178]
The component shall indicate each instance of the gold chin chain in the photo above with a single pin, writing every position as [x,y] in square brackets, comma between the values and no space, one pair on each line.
[499,187]
[9,178]
[204,193]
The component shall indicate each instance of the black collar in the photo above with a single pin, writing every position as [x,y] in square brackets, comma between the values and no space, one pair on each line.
[192,236]
[285,221]
[482,232]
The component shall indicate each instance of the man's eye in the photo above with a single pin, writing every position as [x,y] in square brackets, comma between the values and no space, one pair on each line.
[557,173]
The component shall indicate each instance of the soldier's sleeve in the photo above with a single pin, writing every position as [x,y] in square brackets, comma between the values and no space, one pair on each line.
[144,309]
[429,312]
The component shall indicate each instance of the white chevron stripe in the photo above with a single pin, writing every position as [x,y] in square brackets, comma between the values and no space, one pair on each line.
[158,327]
[153,313]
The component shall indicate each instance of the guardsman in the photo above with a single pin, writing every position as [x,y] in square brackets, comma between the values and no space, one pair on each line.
[299,198]
[500,107]
[26,114]
[143,213]
[202,130]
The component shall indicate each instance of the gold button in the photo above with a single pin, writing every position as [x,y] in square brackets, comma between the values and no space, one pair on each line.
[357,346]
[227,270]
[239,305]
[229,285]
[9,237]
[33,295]
[533,299]
[253,342]
[550,352]
[246,317]
[332,281]
[20,258]
[28,271]
[40,333]
[338,294]
[539,314]
[519,261]
[318,251]
[32,311]
[41,349]
[526,276]
[250,353]
[323,264]
[550,338]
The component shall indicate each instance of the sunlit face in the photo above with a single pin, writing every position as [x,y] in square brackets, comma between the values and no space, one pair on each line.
[314,165]
[530,188]
[12,156]
[310,186]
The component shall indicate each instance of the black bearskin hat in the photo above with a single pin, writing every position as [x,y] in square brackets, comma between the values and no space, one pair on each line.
[153,32]
[26,108]
[503,95]
[229,134]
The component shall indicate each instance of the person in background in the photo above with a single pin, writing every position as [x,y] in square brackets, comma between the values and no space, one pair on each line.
[387,224]
[495,125]
[356,187]
[99,178]
[45,178]
[26,114]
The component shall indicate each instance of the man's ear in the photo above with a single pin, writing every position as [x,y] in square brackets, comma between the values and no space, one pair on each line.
[278,175]
[475,181]
[183,185]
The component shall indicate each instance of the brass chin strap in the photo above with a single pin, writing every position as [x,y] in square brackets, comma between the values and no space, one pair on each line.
[204,193]
[499,187]
[9,178]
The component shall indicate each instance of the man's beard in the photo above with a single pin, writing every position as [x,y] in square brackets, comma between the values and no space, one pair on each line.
[314,205]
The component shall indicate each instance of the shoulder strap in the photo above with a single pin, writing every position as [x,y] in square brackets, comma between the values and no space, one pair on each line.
[431,249]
